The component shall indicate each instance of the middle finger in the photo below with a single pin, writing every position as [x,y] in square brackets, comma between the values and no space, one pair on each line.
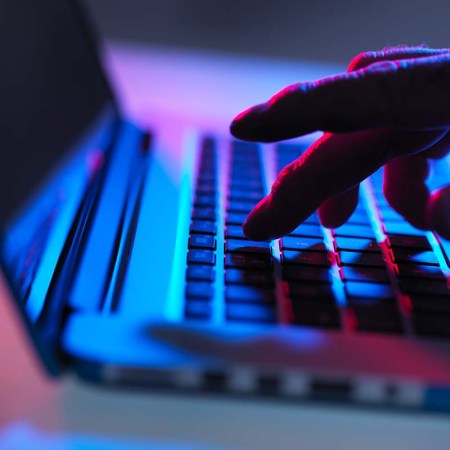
[332,165]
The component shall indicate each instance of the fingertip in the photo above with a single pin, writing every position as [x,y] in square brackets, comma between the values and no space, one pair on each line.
[255,228]
[248,125]
[262,224]
[330,222]
[335,211]
[252,231]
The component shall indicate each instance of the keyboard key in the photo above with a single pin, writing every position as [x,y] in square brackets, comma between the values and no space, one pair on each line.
[246,163]
[206,188]
[405,270]
[315,314]
[249,294]
[203,227]
[209,146]
[302,243]
[351,230]
[207,177]
[319,291]
[200,272]
[251,313]
[244,246]
[235,232]
[245,148]
[377,318]
[205,200]
[202,241]
[204,214]
[235,219]
[207,171]
[199,290]
[307,230]
[248,260]
[360,259]
[249,277]
[208,160]
[359,217]
[290,150]
[426,287]
[409,241]
[389,215]
[201,257]
[305,257]
[414,256]
[357,290]
[402,227]
[244,157]
[242,162]
[355,244]
[365,274]
[242,194]
[313,219]
[244,173]
[240,206]
[249,184]
[306,273]
[197,310]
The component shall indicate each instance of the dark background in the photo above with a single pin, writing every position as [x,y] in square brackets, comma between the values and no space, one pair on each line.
[330,30]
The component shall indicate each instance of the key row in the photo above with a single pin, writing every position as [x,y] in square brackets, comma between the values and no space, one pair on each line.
[202,243]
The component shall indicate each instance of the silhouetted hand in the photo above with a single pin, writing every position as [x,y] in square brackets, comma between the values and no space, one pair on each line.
[391,108]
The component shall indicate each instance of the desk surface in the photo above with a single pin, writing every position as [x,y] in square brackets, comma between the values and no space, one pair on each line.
[38,413]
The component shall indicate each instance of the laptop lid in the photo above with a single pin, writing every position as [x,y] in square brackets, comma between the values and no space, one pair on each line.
[58,118]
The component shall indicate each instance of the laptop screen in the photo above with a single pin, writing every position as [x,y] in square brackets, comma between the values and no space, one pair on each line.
[51,90]
[58,118]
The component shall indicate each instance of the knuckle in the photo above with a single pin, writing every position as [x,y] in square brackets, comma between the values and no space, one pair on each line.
[393,52]
[385,88]
[423,88]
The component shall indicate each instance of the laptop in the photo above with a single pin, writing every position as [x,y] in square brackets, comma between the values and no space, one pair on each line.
[128,271]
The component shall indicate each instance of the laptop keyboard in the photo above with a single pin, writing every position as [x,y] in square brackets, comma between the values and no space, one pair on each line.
[374,274]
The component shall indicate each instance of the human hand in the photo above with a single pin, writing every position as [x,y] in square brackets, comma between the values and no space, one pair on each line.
[391,108]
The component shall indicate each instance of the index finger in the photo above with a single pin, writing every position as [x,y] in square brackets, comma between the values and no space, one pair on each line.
[410,94]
